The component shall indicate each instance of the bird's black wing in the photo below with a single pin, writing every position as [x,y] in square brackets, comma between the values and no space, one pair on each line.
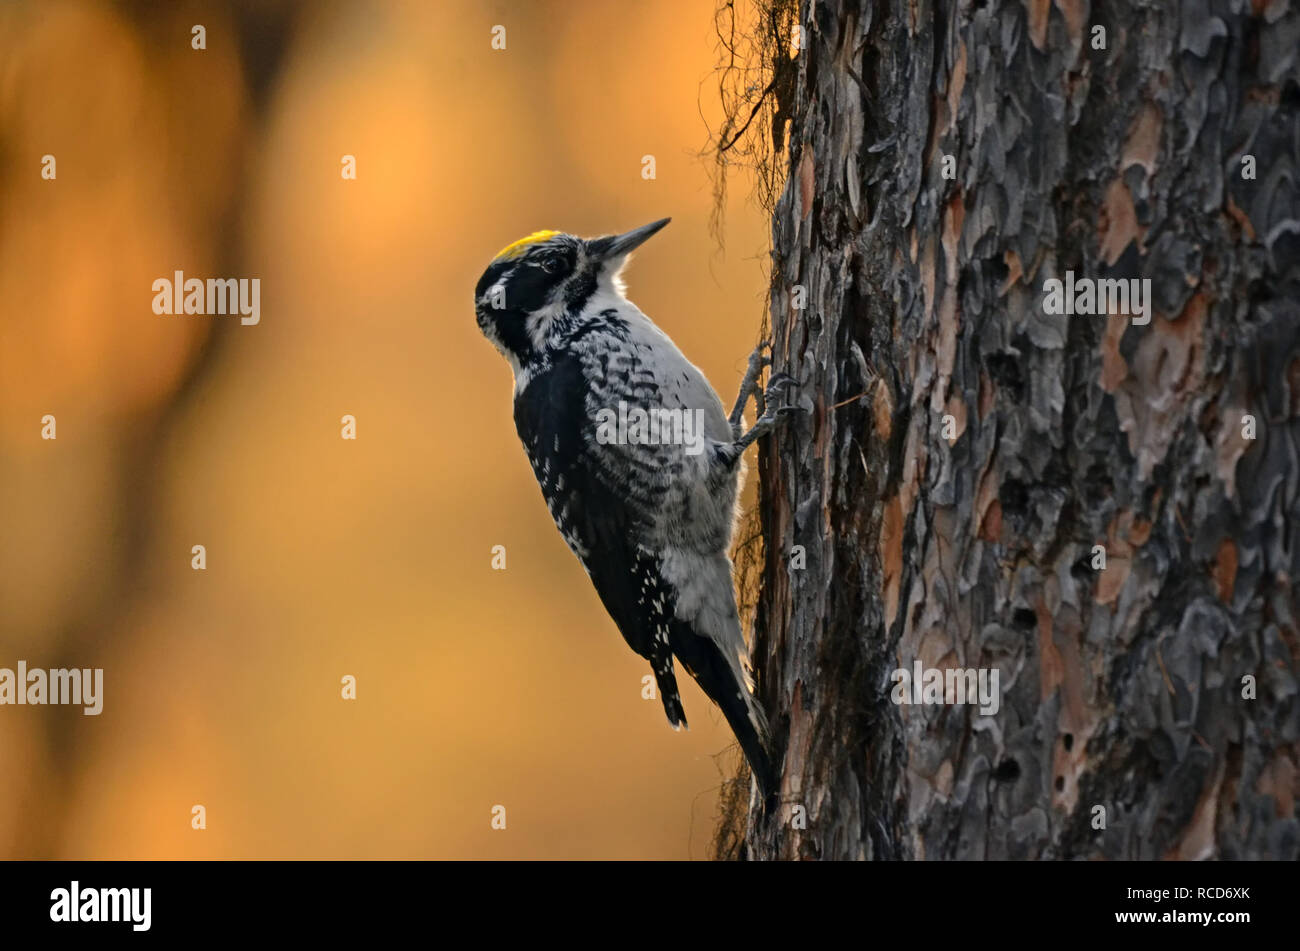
[599,518]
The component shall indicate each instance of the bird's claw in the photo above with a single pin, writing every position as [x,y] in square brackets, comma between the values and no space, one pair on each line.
[773,394]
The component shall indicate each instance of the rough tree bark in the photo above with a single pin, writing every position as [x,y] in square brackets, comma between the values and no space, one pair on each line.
[1123,687]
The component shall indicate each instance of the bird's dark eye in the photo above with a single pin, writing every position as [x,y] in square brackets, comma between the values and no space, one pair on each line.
[549,265]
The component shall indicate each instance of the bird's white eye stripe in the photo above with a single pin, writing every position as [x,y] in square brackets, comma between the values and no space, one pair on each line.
[549,262]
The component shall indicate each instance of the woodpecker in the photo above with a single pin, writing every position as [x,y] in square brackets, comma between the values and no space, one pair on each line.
[648,509]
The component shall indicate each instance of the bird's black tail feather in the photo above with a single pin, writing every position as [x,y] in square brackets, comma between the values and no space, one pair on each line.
[705,662]
[667,683]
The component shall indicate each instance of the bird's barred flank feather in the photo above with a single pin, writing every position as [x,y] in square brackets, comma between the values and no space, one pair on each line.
[651,524]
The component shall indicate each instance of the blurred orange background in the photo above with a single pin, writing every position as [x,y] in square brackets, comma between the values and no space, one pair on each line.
[326,557]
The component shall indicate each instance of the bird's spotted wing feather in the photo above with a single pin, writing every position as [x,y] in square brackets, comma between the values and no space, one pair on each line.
[599,517]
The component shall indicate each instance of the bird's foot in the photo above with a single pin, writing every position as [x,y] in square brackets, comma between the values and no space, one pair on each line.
[758,360]
[773,403]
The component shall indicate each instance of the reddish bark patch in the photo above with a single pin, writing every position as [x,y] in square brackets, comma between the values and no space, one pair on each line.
[1118,223]
[1076,15]
[1242,219]
[891,555]
[1038,11]
[1143,143]
[956,83]
[986,394]
[807,182]
[1114,371]
[991,528]
[1015,271]
[1225,569]
[882,411]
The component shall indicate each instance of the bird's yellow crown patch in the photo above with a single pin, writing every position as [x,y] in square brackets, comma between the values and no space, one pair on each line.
[519,247]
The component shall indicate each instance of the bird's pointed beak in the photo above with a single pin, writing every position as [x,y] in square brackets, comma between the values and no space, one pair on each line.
[617,245]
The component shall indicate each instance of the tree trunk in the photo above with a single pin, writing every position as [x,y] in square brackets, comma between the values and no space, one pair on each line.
[965,450]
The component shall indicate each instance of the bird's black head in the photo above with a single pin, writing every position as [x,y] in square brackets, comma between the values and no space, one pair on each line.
[546,277]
